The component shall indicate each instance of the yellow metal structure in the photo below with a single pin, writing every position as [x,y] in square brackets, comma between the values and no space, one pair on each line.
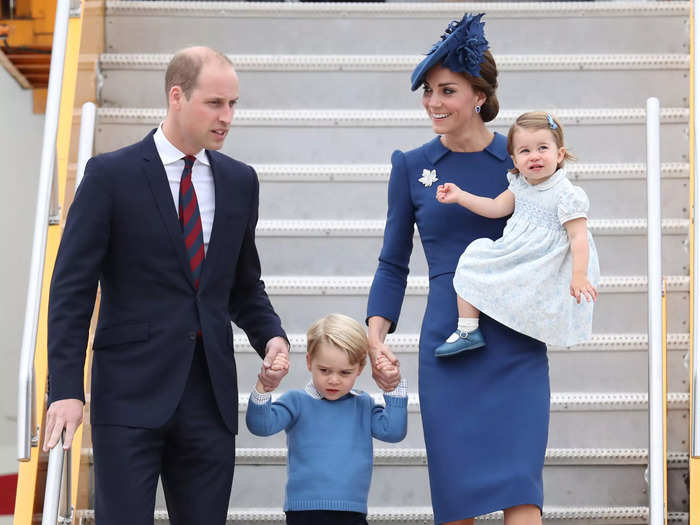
[30,483]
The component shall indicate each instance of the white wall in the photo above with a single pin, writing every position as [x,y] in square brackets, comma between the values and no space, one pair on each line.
[20,149]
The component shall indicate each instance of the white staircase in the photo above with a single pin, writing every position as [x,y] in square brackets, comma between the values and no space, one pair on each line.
[325,99]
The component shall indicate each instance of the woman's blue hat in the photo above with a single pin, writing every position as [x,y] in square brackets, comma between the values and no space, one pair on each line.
[461,49]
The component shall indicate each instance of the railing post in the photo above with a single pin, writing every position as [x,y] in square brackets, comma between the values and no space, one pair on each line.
[54,475]
[657,454]
[87,137]
[25,400]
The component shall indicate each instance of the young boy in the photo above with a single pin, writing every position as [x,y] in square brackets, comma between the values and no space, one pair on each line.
[330,426]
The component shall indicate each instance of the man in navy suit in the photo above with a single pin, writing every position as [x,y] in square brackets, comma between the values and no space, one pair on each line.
[173,272]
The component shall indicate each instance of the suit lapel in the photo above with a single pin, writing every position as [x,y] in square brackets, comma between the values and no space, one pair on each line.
[158,182]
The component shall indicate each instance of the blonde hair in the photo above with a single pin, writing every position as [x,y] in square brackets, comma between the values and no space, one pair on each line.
[341,331]
[534,120]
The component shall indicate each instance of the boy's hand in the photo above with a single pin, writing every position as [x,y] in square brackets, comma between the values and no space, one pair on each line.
[581,287]
[448,193]
[383,364]
[280,362]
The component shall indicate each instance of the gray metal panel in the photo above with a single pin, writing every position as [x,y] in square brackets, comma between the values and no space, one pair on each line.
[265,144]
[610,199]
[390,90]
[569,370]
[614,312]
[629,33]
[305,255]
[263,486]
[614,428]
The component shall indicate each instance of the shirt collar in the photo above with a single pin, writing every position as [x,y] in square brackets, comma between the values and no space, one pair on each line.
[168,153]
[435,149]
[558,176]
[311,390]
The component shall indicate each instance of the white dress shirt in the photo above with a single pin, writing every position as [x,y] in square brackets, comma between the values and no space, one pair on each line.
[202,179]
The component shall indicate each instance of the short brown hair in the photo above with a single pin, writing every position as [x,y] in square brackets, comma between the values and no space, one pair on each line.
[341,331]
[538,120]
[487,83]
[184,68]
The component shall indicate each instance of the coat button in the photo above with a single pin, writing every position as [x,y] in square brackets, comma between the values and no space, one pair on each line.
[192,336]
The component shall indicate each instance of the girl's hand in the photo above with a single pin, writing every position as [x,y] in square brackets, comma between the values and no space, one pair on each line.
[581,286]
[448,193]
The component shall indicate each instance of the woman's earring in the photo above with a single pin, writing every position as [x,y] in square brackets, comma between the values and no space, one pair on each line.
[477,109]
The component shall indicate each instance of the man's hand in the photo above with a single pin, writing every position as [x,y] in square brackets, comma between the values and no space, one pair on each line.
[275,366]
[386,375]
[65,413]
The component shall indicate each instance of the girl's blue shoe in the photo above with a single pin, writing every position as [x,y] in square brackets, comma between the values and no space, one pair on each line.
[464,341]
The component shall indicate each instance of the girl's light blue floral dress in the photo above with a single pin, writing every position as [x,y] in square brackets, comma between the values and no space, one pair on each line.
[522,279]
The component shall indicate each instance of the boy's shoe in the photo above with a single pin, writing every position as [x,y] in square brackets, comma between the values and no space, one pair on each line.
[463,342]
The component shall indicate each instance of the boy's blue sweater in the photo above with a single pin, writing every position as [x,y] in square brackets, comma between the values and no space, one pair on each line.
[329,443]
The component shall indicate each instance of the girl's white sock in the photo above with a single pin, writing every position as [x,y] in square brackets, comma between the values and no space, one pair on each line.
[468,324]
[464,324]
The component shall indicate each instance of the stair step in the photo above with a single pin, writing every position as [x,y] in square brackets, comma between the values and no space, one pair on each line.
[327,28]
[418,456]
[347,191]
[373,228]
[380,172]
[310,245]
[408,343]
[621,306]
[614,363]
[381,81]
[366,136]
[423,515]
[577,420]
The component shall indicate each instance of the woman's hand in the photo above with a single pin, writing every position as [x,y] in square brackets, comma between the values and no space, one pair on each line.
[581,287]
[448,193]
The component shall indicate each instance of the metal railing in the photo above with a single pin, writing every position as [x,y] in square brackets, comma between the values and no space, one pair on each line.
[657,455]
[57,500]
[57,495]
[27,432]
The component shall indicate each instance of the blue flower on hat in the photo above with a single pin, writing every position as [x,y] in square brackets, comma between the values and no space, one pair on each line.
[467,45]
[461,49]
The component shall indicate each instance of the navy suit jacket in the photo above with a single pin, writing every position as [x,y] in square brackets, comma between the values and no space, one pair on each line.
[123,231]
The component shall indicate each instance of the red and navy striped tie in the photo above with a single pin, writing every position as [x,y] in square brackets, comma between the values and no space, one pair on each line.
[190,221]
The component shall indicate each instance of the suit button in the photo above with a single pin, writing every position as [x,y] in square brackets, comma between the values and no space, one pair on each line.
[192,336]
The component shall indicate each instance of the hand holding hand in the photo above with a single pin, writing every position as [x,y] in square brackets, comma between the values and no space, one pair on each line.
[276,363]
[448,193]
[64,413]
[385,366]
[581,287]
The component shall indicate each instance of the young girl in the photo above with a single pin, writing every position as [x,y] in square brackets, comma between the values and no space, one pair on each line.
[521,279]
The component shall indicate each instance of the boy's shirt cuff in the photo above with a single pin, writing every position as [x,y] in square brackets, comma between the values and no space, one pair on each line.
[259,399]
[400,391]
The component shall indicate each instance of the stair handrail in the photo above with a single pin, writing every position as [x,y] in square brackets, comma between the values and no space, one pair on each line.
[57,503]
[27,431]
[88,114]
[657,476]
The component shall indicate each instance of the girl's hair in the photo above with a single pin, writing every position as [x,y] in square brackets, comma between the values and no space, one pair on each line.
[538,120]
[341,331]
[487,84]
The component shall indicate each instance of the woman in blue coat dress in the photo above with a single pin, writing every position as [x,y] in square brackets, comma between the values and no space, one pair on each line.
[485,412]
